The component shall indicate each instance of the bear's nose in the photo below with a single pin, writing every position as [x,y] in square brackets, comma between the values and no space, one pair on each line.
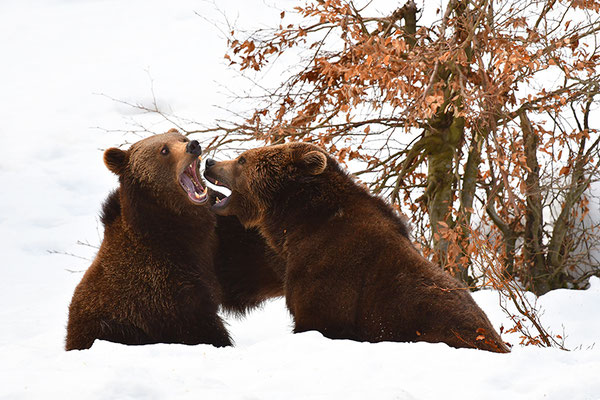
[210,162]
[194,148]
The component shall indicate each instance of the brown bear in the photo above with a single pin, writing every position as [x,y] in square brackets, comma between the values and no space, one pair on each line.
[351,270]
[164,267]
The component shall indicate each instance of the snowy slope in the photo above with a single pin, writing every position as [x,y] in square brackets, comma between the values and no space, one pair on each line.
[57,56]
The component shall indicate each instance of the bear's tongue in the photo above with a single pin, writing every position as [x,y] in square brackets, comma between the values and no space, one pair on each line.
[191,184]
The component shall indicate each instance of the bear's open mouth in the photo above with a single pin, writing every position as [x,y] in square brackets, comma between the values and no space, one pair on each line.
[221,200]
[192,185]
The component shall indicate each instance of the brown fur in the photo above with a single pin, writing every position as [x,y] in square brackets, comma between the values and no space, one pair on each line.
[249,272]
[153,279]
[351,270]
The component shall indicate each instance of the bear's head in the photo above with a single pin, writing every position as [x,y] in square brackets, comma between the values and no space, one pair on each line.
[260,177]
[164,167]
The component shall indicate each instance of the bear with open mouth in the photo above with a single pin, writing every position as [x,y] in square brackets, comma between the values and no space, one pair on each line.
[351,271]
[166,262]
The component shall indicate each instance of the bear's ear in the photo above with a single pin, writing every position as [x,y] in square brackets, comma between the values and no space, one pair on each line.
[115,160]
[314,162]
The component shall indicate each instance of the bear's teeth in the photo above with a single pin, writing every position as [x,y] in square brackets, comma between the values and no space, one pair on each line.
[205,191]
[197,195]
[216,182]
[218,200]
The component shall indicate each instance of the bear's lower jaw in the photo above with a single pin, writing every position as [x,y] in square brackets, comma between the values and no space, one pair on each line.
[198,198]
[220,204]
[192,185]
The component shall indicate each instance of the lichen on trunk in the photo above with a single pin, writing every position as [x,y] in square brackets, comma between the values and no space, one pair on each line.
[446,134]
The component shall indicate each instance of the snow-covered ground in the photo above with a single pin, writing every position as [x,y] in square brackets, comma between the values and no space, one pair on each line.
[57,55]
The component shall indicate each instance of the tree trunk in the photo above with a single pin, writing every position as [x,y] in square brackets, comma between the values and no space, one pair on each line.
[535,261]
[467,196]
[439,194]
[559,246]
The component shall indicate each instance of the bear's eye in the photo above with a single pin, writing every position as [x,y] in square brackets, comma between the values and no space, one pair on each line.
[241,161]
[164,151]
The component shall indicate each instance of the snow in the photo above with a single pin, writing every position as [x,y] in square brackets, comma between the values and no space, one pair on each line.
[57,57]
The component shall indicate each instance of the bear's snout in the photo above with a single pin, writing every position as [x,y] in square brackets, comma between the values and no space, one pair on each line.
[210,162]
[194,148]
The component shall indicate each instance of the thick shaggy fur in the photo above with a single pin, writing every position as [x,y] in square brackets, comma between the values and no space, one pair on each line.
[153,279]
[351,270]
[249,272]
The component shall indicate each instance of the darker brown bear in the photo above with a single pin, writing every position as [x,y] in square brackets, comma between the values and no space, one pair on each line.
[154,279]
[351,270]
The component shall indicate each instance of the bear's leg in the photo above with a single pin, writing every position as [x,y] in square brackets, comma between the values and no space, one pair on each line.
[207,329]
[215,333]
[328,330]
[248,271]
[80,336]
[326,303]
[118,332]
[331,323]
